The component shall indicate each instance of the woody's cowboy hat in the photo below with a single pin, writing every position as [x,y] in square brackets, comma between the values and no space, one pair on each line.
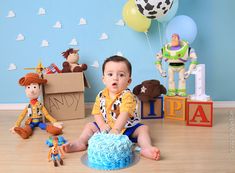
[31,78]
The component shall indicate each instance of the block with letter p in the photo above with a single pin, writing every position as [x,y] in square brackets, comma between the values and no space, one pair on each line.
[174,107]
[199,113]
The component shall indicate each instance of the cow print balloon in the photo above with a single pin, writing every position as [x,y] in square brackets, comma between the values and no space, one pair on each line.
[154,9]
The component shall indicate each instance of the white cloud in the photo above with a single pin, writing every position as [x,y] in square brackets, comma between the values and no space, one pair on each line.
[104,36]
[95,64]
[12,67]
[82,21]
[41,11]
[120,23]
[73,42]
[20,37]
[44,43]
[11,14]
[119,53]
[57,25]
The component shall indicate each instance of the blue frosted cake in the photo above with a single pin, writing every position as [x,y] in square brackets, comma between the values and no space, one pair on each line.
[109,151]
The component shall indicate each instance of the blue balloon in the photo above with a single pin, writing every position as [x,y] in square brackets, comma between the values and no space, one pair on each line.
[171,13]
[184,26]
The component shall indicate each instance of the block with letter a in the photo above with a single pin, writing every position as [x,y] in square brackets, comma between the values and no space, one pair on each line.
[199,113]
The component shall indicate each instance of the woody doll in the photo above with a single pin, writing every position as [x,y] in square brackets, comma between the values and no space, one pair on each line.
[55,152]
[34,109]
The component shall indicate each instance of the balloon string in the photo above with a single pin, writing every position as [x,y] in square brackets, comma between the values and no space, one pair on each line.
[159,31]
[164,34]
[147,37]
[163,64]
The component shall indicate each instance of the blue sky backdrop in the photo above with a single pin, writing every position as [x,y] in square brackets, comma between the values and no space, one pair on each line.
[214,43]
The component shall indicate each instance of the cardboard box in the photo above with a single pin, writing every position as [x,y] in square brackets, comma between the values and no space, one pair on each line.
[152,109]
[174,107]
[63,95]
[199,113]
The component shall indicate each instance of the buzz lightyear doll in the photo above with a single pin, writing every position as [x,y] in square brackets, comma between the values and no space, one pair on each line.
[176,53]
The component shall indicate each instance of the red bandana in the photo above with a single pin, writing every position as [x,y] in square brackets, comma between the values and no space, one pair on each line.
[33,101]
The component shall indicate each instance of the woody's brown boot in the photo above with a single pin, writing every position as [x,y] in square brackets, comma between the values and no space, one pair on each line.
[25,132]
[61,162]
[53,130]
[55,163]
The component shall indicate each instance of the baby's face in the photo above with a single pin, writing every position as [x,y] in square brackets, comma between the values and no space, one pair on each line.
[116,77]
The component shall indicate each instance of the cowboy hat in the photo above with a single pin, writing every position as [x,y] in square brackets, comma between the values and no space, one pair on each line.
[31,78]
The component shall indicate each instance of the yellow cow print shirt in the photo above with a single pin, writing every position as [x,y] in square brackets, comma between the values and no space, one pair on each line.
[125,101]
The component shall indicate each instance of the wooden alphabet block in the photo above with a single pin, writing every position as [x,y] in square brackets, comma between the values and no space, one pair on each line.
[152,109]
[174,107]
[199,113]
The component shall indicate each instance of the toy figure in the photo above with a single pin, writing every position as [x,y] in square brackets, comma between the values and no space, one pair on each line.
[52,69]
[55,153]
[34,109]
[71,63]
[176,54]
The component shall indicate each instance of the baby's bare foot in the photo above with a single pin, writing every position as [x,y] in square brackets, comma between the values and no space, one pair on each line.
[75,146]
[151,153]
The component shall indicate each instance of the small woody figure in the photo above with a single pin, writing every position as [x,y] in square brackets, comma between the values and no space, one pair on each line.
[34,109]
[55,153]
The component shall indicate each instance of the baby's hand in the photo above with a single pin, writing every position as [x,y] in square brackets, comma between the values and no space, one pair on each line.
[105,128]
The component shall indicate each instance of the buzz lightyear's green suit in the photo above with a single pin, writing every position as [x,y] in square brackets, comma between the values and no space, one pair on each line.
[176,59]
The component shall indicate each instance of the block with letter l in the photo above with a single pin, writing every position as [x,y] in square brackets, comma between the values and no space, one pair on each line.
[152,109]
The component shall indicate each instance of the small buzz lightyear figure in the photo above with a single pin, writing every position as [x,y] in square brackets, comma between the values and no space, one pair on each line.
[176,53]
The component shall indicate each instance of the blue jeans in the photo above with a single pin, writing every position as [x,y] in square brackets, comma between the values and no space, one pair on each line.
[54,156]
[38,124]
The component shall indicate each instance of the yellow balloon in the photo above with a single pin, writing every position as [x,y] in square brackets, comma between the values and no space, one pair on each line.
[133,18]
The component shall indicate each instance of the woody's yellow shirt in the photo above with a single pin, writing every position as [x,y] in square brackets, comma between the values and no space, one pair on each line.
[35,109]
[110,109]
